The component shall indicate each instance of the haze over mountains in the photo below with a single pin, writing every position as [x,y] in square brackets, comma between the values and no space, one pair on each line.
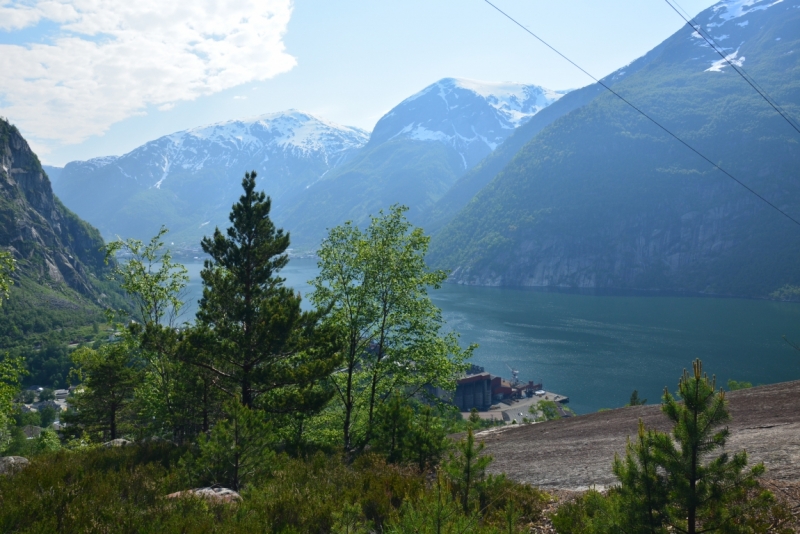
[188,180]
[603,199]
[520,185]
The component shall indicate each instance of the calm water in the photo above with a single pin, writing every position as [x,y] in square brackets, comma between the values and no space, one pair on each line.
[598,348]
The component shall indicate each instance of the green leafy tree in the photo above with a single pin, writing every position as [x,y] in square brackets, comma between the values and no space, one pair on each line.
[109,378]
[153,281]
[47,441]
[166,395]
[47,414]
[7,266]
[374,284]
[545,410]
[237,451]
[466,469]
[46,394]
[636,400]
[252,335]
[11,371]
[733,385]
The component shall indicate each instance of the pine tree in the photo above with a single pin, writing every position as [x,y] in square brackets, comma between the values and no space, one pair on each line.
[701,492]
[642,493]
[684,480]
[635,400]
[237,451]
[251,332]
[467,469]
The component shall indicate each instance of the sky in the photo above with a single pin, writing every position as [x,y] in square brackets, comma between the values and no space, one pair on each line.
[88,78]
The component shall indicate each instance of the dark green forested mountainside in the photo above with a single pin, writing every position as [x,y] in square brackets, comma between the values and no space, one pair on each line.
[59,282]
[602,198]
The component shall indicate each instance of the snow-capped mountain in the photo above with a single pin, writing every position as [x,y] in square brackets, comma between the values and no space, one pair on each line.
[417,151]
[473,117]
[189,179]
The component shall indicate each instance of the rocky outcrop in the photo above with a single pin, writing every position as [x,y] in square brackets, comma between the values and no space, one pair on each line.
[51,244]
[214,494]
[577,453]
[10,465]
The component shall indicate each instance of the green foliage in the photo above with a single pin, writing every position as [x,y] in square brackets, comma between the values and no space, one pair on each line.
[47,441]
[7,266]
[683,481]
[150,277]
[733,385]
[46,394]
[545,410]
[474,417]
[236,452]
[466,469]
[375,284]
[252,335]
[109,377]
[403,436]
[635,400]
[47,414]
[11,370]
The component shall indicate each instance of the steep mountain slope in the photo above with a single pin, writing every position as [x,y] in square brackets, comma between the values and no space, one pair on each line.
[602,198]
[60,262]
[416,153]
[189,180]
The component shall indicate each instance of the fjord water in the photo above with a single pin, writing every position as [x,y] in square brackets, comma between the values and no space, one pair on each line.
[598,348]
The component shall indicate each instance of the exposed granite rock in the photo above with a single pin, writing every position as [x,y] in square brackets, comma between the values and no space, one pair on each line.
[215,494]
[51,244]
[576,453]
[12,464]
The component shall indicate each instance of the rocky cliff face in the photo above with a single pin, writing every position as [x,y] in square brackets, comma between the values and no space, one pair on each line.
[52,246]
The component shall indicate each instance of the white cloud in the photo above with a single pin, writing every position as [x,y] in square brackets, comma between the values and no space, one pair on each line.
[113,58]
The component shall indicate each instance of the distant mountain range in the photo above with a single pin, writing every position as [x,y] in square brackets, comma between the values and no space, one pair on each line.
[520,185]
[602,198]
[415,154]
[188,180]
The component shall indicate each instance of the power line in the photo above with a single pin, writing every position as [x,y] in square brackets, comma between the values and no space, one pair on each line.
[746,77]
[645,115]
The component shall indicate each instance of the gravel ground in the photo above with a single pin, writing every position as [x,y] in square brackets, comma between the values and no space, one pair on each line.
[575,454]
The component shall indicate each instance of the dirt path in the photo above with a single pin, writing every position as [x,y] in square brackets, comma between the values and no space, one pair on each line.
[576,453]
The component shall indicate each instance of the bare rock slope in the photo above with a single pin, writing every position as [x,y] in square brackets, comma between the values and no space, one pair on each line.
[576,453]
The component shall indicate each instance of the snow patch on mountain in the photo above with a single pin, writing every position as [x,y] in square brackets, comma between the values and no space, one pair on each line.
[515,101]
[734,9]
[717,66]
[472,117]
[231,143]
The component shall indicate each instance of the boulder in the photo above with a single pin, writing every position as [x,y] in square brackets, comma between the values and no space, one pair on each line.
[12,464]
[215,494]
[119,442]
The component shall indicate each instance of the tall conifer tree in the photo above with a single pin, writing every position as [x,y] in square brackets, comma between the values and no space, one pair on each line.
[251,331]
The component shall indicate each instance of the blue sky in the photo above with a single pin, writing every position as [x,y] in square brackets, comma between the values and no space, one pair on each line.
[99,77]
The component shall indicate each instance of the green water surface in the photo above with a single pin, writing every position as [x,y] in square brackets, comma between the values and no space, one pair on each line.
[598,348]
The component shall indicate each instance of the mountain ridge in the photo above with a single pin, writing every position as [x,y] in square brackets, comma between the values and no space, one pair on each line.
[602,198]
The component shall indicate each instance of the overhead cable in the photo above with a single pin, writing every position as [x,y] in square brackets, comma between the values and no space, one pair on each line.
[739,70]
[645,115]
